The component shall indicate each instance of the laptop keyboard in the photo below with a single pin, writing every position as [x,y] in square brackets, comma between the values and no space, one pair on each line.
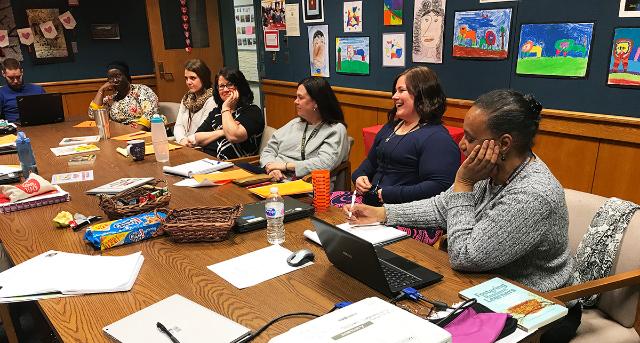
[396,277]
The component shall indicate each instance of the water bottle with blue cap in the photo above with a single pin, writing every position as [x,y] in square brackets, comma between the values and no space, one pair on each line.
[25,154]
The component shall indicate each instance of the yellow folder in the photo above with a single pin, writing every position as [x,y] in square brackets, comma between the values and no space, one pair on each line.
[228,175]
[286,188]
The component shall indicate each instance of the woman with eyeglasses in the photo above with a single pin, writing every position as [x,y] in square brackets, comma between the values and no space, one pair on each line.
[505,213]
[413,156]
[126,102]
[234,128]
[315,139]
[196,103]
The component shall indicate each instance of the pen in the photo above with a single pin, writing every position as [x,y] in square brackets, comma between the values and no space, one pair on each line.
[166,331]
[242,337]
[353,202]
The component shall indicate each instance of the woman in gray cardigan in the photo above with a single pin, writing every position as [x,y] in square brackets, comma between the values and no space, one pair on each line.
[506,212]
[315,139]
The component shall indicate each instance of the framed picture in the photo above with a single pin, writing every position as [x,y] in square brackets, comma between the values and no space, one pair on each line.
[629,8]
[245,27]
[393,12]
[352,19]
[428,30]
[482,34]
[554,50]
[313,11]
[273,15]
[105,31]
[352,55]
[53,49]
[624,65]
[319,50]
[393,49]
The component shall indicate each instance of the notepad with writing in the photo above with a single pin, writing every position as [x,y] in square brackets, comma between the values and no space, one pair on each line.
[186,320]
[56,196]
[285,188]
[203,166]
[531,310]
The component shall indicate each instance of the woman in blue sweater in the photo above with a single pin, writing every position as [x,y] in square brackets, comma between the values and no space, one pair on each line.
[413,156]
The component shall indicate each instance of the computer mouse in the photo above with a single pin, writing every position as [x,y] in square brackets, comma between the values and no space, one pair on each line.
[300,257]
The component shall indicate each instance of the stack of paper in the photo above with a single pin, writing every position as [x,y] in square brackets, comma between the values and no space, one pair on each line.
[375,233]
[79,140]
[56,273]
[148,149]
[285,188]
[203,166]
[74,149]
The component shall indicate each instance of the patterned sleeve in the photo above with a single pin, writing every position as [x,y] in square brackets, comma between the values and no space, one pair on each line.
[148,101]
[106,103]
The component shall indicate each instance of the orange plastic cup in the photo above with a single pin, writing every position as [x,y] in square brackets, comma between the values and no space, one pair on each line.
[321,180]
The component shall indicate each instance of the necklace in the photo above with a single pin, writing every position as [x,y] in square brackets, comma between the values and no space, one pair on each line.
[398,128]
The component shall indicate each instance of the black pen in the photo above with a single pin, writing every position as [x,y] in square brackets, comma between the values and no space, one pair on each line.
[242,337]
[166,331]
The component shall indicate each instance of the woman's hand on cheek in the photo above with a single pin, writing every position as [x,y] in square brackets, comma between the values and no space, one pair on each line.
[478,166]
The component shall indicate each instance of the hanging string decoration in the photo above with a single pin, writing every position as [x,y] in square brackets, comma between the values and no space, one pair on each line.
[185,24]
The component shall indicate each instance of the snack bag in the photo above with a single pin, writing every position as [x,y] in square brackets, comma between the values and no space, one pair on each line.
[34,185]
[125,231]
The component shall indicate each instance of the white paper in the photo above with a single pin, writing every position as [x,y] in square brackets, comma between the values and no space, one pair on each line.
[374,233]
[9,169]
[368,320]
[292,13]
[74,149]
[195,184]
[79,140]
[203,166]
[255,267]
[56,271]
[80,176]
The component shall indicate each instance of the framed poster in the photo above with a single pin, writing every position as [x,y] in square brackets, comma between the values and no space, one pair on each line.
[629,8]
[313,11]
[554,50]
[352,55]
[245,28]
[352,19]
[273,15]
[48,50]
[624,65]
[319,50]
[482,34]
[393,12]
[393,49]
[428,30]
[271,40]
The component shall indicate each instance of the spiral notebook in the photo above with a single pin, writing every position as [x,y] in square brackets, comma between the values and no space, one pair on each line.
[56,196]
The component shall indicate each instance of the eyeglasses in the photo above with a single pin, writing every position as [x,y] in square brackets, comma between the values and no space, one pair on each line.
[14,78]
[226,85]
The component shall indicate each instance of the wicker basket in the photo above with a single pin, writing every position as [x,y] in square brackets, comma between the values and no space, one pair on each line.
[112,207]
[201,224]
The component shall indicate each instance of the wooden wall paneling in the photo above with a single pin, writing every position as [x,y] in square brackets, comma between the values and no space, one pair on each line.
[280,110]
[571,159]
[617,172]
[358,117]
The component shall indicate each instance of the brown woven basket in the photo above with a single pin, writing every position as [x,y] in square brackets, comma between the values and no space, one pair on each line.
[114,210]
[201,224]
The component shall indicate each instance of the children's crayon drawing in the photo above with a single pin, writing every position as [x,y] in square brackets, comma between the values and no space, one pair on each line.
[624,67]
[352,55]
[482,34]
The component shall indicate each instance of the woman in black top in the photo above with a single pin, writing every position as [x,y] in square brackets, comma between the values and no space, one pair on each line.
[234,128]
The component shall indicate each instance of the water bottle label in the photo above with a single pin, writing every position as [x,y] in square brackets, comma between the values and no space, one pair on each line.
[274,210]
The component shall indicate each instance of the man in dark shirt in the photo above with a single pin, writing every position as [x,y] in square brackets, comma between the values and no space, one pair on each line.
[13,73]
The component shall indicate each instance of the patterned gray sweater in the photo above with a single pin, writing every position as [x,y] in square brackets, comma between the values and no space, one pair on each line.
[520,232]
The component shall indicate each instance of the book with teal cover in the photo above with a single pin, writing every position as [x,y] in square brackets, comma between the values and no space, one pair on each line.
[530,310]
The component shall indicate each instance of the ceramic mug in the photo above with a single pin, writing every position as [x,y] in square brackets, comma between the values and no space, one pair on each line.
[135,149]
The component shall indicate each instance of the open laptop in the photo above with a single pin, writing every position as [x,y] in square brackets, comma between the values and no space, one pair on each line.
[253,217]
[40,109]
[376,267]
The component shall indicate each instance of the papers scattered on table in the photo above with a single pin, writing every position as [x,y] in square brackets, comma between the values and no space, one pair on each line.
[227,176]
[148,149]
[203,166]
[88,123]
[120,185]
[375,234]
[255,267]
[134,135]
[79,140]
[54,273]
[74,149]
[9,168]
[186,320]
[368,320]
[8,140]
[285,188]
[80,176]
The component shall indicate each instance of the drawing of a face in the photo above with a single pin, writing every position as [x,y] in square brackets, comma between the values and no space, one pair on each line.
[318,49]
[622,47]
[431,30]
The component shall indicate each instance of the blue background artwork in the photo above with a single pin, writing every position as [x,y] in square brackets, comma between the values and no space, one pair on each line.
[481,21]
[545,35]
[632,75]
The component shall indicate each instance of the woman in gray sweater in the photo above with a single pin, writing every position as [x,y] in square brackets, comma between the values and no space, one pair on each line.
[315,139]
[506,212]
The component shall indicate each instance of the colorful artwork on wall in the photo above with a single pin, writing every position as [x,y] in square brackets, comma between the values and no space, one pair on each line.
[629,8]
[352,19]
[313,11]
[393,12]
[428,30]
[393,49]
[557,50]
[273,16]
[319,50]
[352,55]
[624,66]
[482,34]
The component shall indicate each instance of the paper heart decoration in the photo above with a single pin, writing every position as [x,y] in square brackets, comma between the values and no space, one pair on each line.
[184,10]
[188,49]
[48,29]
[188,41]
[26,35]
[186,34]
[2,37]
[185,18]
[185,26]
[183,2]
[67,20]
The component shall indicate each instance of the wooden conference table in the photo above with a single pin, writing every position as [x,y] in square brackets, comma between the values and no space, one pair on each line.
[171,268]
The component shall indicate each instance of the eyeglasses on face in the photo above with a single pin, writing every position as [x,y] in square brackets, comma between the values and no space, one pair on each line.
[226,86]
[14,78]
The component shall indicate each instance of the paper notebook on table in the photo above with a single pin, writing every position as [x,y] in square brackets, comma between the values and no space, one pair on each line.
[148,149]
[376,234]
[285,188]
[79,140]
[8,140]
[74,149]
[120,185]
[53,197]
[223,176]
[203,166]
[186,320]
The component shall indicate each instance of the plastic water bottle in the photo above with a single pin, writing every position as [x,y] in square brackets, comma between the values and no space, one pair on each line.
[274,211]
[159,139]
[25,154]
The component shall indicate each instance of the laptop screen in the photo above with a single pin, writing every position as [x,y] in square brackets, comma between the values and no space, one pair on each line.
[40,109]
